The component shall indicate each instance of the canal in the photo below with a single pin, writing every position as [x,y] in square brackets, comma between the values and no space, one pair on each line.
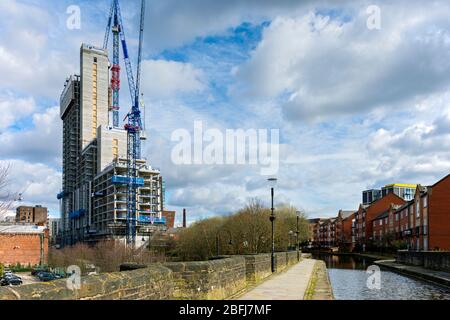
[349,280]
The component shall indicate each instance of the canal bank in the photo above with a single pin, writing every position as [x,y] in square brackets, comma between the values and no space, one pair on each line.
[438,277]
[350,281]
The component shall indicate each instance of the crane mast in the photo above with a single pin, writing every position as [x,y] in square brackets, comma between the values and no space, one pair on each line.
[134,122]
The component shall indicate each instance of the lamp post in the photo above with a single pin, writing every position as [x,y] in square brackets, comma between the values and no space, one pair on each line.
[272,183]
[296,238]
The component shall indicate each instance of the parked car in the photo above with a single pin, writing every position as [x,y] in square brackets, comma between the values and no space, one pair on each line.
[35,271]
[46,276]
[11,281]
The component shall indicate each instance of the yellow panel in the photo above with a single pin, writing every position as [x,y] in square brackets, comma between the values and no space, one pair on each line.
[404,185]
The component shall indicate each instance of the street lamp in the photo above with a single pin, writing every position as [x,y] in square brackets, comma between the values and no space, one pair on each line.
[272,184]
[296,233]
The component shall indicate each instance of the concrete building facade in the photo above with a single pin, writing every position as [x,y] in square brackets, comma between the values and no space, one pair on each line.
[93,199]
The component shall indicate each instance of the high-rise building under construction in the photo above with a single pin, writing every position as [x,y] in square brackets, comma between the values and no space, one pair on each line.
[94,190]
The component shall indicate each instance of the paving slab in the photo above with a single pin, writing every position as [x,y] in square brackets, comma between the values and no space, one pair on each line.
[289,285]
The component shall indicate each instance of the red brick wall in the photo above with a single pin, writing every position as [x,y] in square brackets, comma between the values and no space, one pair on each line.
[347,229]
[170,218]
[439,215]
[379,207]
[22,248]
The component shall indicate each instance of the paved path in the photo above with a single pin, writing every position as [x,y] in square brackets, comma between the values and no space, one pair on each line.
[289,285]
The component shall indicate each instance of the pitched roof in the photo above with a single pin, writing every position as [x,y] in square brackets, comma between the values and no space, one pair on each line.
[21,229]
[382,215]
[346,213]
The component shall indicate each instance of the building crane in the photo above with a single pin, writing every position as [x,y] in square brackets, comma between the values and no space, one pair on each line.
[133,128]
[19,197]
[134,122]
[115,25]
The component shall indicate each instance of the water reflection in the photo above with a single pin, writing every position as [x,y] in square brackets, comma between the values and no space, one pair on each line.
[349,281]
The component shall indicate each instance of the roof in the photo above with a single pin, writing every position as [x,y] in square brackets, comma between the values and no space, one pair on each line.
[404,185]
[407,204]
[447,176]
[346,213]
[21,229]
[382,215]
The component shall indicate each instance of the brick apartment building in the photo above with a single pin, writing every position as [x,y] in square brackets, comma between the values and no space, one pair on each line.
[333,232]
[24,244]
[37,215]
[367,213]
[422,224]
[384,227]
[347,237]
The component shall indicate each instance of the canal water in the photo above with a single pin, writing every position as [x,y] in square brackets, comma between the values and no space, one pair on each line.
[349,279]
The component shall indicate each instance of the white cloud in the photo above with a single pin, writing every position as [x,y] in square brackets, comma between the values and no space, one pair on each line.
[163,79]
[13,109]
[39,183]
[41,143]
[322,67]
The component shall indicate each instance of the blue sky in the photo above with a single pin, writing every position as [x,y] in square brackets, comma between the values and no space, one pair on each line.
[356,108]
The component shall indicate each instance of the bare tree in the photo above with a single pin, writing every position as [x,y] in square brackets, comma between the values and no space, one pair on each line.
[248,231]
[5,195]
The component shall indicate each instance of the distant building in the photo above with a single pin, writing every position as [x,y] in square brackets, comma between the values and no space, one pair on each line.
[369,196]
[405,191]
[169,217]
[367,213]
[32,215]
[24,244]
[54,229]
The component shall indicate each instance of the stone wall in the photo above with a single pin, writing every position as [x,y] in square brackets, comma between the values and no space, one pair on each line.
[212,280]
[208,280]
[280,261]
[152,283]
[427,259]
[257,267]
[292,258]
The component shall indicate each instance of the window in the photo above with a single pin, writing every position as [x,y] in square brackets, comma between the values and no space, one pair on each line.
[95,59]
[425,201]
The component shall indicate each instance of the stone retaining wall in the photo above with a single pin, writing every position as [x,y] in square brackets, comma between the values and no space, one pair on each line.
[215,279]
[257,267]
[427,259]
[208,280]
[151,283]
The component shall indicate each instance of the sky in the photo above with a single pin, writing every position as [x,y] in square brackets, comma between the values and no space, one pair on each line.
[356,106]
